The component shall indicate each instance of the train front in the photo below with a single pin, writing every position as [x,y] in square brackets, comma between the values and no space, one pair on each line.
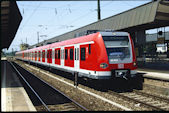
[121,56]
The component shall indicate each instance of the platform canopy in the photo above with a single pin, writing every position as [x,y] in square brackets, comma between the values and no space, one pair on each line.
[154,14]
[10,20]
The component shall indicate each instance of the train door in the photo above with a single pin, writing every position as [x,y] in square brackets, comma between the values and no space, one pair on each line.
[46,59]
[43,56]
[53,56]
[39,56]
[62,56]
[76,57]
[49,55]
[35,55]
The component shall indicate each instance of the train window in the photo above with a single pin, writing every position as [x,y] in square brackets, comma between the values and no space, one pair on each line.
[35,54]
[58,54]
[83,51]
[61,55]
[75,53]
[55,54]
[71,54]
[47,54]
[50,54]
[66,54]
[89,48]
[43,54]
[39,54]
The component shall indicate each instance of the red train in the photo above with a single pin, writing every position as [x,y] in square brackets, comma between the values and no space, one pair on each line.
[101,55]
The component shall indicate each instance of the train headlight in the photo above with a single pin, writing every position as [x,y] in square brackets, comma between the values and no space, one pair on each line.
[103,65]
[134,63]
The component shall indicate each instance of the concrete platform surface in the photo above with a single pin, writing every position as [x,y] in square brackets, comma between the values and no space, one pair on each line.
[13,94]
[155,75]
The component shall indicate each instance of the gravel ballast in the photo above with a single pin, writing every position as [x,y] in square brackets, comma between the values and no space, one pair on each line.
[90,102]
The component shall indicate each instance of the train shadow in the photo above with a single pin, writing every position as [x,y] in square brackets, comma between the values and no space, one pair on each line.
[117,84]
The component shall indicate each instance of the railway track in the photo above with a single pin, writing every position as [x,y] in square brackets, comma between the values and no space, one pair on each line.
[50,98]
[144,99]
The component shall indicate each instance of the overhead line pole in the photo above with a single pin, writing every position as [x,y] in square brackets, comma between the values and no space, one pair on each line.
[98,10]
[38,36]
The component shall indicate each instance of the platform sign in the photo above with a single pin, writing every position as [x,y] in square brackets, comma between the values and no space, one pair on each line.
[160,40]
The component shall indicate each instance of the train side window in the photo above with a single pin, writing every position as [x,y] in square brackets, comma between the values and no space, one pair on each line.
[83,51]
[89,48]
[66,54]
[50,54]
[47,53]
[71,54]
[58,54]
[39,54]
[43,54]
[35,55]
[55,54]
[77,53]
[61,55]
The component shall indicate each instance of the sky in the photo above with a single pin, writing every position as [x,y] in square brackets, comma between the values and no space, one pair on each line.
[53,18]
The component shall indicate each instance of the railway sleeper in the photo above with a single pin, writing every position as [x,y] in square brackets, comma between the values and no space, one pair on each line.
[140,98]
[160,104]
[153,102]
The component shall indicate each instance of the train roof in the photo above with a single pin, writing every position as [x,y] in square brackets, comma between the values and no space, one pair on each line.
[115,33]
[82,39]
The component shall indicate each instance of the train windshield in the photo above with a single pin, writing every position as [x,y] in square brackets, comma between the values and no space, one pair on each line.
[118,49]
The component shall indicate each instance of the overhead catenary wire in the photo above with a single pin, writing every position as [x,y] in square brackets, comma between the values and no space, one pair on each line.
[31,15]
[26,21]
[85,15]
[63,15]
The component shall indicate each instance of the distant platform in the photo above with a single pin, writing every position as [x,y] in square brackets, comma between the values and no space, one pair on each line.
[161,75]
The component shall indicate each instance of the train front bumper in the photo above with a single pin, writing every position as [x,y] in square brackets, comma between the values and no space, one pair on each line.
[123,73]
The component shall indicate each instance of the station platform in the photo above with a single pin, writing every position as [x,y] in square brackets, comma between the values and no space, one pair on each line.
[156,70]
[13,94]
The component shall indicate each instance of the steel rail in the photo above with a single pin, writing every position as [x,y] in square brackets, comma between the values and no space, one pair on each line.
[76,103]
[138,101]
[30,87]
[152,96]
